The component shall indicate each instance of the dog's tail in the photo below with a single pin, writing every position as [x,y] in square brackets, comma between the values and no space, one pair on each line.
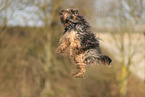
[99,58]
[104,59]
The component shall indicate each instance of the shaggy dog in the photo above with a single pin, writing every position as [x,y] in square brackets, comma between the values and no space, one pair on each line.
[81,44]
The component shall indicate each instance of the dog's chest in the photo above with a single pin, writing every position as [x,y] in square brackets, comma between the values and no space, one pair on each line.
[73,38]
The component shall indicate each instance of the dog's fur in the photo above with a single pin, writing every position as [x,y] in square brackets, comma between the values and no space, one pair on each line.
[81,44]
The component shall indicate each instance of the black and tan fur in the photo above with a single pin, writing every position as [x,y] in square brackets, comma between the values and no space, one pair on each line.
[80,42]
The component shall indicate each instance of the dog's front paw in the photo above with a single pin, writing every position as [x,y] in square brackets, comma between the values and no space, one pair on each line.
[58,51]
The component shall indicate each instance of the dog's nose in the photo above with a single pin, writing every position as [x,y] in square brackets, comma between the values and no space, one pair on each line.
[59,12]
[60,15]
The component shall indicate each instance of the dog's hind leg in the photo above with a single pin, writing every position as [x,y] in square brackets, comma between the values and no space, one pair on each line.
[81,69]
[80,66]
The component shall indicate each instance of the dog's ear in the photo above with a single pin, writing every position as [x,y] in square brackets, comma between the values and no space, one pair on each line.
[75,11]
[75,14]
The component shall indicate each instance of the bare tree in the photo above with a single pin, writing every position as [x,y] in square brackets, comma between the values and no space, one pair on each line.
[128,14]
[4,5]
[48,14]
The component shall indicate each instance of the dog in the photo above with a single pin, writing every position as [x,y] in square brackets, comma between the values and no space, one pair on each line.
[81,44]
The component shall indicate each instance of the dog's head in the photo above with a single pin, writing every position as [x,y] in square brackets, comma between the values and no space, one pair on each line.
[68,15]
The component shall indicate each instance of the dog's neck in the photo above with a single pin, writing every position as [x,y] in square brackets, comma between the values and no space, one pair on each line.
[80,25]
[68,27]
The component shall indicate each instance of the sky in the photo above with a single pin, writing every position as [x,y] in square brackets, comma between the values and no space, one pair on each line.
[19,14]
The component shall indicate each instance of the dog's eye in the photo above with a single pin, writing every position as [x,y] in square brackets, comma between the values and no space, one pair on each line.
[62,10]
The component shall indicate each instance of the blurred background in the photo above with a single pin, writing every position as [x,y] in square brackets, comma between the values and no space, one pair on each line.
[29,35]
